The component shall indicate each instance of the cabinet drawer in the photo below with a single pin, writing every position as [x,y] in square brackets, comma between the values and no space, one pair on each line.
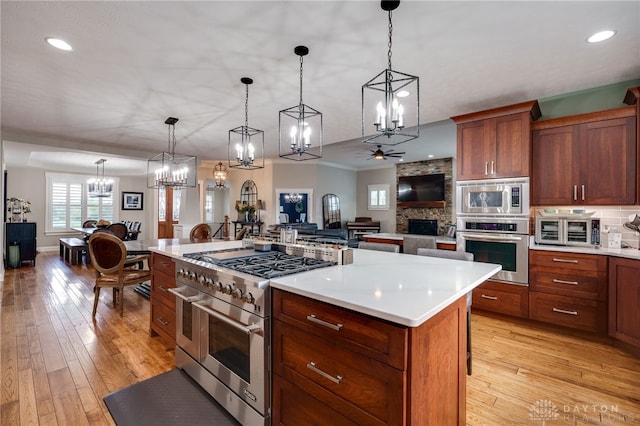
[163,320]
[567,261]
[587,286]
[583,314]
[335,375]
[163,264]
[377,339]
[293,407]
[502,298]
[160,283]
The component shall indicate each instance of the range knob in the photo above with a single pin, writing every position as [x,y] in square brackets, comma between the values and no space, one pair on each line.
[201,279]
[228,289]
[248,297]
[217,286]
[237,293]
[181,272]
[192,275]
[208,282]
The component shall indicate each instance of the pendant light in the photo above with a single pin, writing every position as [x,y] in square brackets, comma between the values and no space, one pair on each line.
[169,169]
[100,187]
[220,175]
[246,144]
[300,126]
[390,101]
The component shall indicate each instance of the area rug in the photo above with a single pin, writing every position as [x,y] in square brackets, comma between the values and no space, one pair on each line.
[169,399]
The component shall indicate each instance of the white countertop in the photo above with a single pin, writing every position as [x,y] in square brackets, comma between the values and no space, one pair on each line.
[179,249]
[630,253]
[401,288]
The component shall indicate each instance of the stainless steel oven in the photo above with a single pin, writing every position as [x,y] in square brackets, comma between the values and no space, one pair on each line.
[504,241]
[493,197]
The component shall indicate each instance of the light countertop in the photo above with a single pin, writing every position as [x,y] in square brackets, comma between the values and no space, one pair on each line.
[401,288]
[180,249]
[629,253]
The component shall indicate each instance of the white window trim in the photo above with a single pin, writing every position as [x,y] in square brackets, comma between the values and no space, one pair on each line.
[378,188]
[75,178]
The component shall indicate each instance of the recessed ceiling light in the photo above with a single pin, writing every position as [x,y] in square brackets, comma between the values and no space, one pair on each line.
[402,94]
[58,43]
[430,156]
[601,36]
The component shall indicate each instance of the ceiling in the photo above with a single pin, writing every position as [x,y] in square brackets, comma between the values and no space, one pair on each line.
[136,63]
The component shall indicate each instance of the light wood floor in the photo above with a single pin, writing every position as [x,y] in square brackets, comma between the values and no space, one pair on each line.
[57,364]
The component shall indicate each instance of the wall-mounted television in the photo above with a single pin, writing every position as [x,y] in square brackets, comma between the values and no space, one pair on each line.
[421,189]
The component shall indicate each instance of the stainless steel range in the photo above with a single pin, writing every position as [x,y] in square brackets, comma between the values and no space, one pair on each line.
[223,314]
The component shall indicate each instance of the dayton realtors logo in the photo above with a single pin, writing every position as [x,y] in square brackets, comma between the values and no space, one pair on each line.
[545,410]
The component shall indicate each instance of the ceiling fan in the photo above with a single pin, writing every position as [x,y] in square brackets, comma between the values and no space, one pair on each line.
[379,154]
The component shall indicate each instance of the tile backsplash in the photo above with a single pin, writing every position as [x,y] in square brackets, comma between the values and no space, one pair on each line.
[613,217]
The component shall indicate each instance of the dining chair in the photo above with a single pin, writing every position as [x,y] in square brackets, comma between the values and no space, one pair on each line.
[134,230]
[109,257]
[119,229]
[411,243]
[89,223]
[393,248]
[457,255]
[200,233]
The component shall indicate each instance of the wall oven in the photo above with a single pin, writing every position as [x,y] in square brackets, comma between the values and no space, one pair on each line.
[493,197]
[503,241]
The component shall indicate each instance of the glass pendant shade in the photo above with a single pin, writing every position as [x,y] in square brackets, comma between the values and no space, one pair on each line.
[220,175]
[246,144]
[300,127]
[390,102]
[100,186]
[169,168]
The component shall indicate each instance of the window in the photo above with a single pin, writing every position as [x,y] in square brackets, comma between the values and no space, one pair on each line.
[378,197]
[69,205]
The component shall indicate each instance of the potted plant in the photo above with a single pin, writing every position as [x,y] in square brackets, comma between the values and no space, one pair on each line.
[242,208]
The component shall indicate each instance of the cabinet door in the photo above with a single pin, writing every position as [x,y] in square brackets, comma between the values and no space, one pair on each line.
[512,147]
[624,299]
[554,174]
[473,150]
[608,162]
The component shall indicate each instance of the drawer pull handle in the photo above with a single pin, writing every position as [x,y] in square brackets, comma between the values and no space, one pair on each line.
[557,281]
[162,321]
[312,366]
[484,296]
[565,260]
[564,311]
[163,288]
[313,318]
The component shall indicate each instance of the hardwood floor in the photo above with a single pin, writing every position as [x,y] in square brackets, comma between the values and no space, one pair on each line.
[57,364]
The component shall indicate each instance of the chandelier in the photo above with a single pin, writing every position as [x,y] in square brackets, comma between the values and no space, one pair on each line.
[386,99]
[100,187]
[246,144]
[298,124]
[171,169]
[220,175]
[293,197]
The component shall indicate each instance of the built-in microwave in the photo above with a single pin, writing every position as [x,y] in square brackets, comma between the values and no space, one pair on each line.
[493,197]
[568,231]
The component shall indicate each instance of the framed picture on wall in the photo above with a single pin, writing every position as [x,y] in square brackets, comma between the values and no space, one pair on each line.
[451,231]
[132,200]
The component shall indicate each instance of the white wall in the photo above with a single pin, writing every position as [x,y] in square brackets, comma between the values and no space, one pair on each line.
[387,218]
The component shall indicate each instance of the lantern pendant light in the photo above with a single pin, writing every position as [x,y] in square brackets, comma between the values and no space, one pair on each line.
[390,101]
[100,187]
[169,169]
[246,144]
[220,175]
[300,127]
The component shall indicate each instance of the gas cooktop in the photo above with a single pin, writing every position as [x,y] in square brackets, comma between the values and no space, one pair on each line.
[265,265]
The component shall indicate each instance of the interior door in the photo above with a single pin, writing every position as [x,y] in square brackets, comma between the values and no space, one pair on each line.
[168,211]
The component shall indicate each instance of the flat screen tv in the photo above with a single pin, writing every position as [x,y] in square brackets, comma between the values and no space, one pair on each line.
[424,188]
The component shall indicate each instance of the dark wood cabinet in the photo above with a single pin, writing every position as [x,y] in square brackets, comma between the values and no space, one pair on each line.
[589,159]
[568,289]
[502,298]
[624,300]
[162,305]
[23,233]
[495,143]
[335,366]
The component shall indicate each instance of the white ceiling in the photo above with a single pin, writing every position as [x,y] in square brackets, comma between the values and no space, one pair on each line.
[136,63]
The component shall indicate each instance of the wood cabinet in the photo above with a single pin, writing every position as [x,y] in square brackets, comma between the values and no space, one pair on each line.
[624,300]
[495,143]
[163,303]
[335,366]
[568,289]
[502,298]
[590,159]
[23,233]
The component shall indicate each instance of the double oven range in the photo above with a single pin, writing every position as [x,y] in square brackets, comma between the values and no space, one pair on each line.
[492,221]
[223,314]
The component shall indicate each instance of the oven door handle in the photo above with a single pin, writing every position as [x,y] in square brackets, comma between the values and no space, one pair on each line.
[189,299]
[504,239]
[246,329]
